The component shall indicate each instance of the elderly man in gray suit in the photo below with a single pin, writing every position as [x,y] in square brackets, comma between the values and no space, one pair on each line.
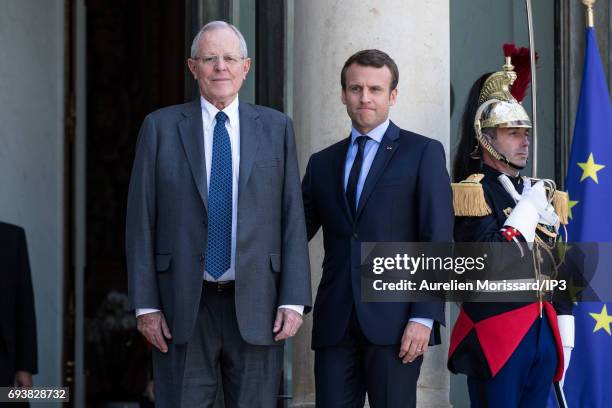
[216,241]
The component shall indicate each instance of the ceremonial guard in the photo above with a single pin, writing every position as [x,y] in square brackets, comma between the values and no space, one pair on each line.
[511,352]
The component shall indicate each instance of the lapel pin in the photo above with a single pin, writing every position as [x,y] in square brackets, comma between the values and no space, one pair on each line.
[389,147]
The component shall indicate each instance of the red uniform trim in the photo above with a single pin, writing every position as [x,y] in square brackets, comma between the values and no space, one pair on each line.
[462,327]
[510,233]
[500,335]
[554,325]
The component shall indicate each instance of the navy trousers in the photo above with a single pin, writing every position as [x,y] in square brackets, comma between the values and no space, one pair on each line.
[525,380]
[344,373]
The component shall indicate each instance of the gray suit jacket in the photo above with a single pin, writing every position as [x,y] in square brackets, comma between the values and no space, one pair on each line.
[167,222]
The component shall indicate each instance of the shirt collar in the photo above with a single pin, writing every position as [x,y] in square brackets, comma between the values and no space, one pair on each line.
[375,134]
[209,111]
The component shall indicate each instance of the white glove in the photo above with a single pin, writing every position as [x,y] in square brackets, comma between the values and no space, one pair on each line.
[526,214]
[566,331]
[548,216]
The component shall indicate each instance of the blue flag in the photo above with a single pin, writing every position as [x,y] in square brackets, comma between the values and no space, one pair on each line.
[589,183]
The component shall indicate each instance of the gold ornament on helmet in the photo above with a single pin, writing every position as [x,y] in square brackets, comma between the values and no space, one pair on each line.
[503,110]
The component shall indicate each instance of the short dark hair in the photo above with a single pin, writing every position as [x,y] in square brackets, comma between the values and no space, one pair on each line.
[371,58]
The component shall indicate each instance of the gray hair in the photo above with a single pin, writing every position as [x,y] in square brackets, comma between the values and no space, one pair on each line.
[214,25]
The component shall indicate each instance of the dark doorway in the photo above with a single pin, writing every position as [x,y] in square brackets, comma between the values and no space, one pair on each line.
[136,53]
[135,64]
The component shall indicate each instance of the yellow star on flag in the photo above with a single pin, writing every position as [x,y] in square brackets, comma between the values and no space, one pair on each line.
[574,291]
[590,169]
[571,205]
[603,320]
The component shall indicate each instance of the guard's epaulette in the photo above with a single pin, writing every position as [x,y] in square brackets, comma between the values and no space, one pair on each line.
[560,203]
[468,197]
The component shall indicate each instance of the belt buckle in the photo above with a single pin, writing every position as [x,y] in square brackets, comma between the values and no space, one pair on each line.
[221,286]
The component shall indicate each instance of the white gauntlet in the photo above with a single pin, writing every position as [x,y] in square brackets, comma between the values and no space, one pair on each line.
[526,214]
[547,214]
[566,331]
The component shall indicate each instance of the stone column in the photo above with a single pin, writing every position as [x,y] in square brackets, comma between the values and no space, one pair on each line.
[416,35]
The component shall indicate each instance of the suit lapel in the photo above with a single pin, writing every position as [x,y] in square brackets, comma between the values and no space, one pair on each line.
[251,131]
[191,132]
[386,150]
[339,162]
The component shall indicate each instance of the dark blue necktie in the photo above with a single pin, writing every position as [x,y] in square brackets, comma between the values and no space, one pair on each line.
[219,247]
[351,185]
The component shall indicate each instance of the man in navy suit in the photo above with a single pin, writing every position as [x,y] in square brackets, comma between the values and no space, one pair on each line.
[381,183]
[18,347]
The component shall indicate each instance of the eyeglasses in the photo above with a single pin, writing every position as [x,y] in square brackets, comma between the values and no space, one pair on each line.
[213,60]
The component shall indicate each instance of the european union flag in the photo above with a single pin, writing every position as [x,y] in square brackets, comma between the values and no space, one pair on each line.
[588,381]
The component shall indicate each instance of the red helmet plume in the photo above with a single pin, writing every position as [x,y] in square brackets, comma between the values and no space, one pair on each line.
[522,67]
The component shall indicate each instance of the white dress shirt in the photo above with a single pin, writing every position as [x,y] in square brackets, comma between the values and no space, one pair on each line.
[232,124]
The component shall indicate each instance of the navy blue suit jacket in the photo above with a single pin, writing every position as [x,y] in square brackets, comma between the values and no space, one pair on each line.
[18,318]
[406,198]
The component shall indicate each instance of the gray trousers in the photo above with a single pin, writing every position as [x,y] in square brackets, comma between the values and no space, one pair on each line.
[217,358]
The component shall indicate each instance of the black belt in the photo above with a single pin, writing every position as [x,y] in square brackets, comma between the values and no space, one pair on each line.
[221,286]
